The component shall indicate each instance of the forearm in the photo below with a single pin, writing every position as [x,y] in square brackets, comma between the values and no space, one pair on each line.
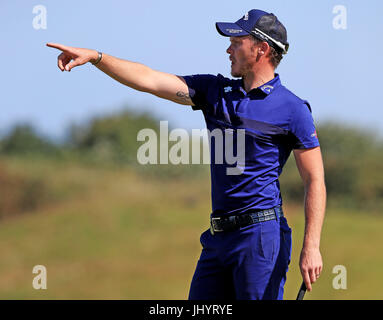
[131,74]
[142,78]
[315,206]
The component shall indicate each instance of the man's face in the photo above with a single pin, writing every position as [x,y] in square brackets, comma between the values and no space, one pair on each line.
[242,51]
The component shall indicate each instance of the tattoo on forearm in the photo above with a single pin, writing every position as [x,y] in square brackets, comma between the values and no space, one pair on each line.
[182,96]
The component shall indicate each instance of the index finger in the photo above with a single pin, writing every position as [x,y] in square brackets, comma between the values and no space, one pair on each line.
[57,46]
[306,279]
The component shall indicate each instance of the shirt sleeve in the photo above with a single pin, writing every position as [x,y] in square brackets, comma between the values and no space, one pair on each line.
[199,87]
[303,128]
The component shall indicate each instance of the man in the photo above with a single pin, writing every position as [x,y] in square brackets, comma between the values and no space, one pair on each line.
[247,250]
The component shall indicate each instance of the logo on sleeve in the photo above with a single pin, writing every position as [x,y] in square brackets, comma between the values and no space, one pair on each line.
[314,135]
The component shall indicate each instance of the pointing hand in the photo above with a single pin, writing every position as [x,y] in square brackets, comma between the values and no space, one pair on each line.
[71,57]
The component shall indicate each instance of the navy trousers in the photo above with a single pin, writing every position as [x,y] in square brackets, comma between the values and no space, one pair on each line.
[246,264]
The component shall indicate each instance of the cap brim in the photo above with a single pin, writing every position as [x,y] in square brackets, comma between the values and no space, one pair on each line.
[228,29]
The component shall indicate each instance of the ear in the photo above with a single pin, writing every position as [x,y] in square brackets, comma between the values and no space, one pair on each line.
[263,48]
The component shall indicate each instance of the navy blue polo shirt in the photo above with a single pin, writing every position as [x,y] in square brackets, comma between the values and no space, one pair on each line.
[275,122]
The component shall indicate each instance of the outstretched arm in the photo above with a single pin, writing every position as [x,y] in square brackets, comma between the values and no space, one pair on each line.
[131,74]
[310,166]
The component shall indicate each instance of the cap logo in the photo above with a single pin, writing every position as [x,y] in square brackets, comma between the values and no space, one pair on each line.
[234,30]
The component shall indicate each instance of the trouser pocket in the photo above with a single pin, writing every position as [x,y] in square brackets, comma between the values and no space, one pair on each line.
[286,240]
[269,239]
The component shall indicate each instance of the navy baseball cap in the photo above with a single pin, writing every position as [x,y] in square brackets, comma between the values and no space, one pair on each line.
[260,24]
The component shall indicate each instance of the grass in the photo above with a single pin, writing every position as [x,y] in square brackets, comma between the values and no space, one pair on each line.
[120,235]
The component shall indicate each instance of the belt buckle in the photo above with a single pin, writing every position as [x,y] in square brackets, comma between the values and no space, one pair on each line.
[213,226]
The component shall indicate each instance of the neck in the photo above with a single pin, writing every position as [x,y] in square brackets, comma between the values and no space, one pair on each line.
[256,78]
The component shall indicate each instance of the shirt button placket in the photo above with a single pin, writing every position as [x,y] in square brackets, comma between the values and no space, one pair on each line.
[241,106]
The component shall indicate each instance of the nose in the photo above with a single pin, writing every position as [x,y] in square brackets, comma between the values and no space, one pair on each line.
[229,50]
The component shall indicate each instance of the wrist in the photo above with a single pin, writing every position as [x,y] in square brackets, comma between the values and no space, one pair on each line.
[310,245]
[96,57]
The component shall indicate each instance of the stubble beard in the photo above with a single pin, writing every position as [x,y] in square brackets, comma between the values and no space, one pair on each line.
[243,70]
[236,73]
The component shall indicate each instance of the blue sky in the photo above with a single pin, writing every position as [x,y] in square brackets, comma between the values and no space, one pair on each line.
[338,71]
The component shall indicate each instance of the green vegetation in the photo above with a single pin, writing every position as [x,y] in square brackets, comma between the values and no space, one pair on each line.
[106,228]
[353,160]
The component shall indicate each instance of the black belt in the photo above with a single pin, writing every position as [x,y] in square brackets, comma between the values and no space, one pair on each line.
[230,223]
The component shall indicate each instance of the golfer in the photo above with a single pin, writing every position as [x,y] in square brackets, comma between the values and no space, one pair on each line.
[246,252]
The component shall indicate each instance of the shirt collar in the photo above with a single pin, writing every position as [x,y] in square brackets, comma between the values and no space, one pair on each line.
[267,87]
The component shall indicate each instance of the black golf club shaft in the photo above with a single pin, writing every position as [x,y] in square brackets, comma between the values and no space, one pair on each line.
[302,291]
